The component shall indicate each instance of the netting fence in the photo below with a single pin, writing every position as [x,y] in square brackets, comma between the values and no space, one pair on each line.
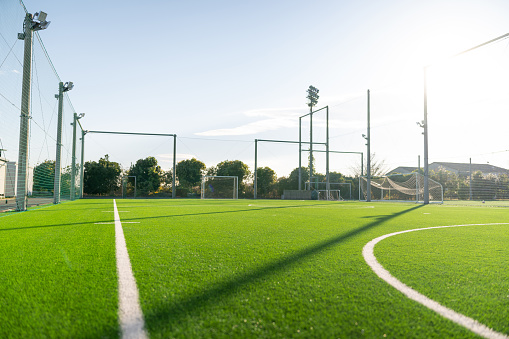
[40,111]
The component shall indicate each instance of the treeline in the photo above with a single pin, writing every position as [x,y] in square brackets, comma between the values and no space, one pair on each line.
[106,178]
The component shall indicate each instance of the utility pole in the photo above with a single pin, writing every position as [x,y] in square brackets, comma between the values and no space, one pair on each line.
[60,96]
[31,24]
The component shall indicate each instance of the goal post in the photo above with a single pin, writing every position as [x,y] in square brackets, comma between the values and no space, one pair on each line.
[334,192]
[401,187]
[220,187]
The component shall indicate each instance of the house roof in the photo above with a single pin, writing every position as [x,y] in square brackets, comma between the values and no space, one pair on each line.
[465,168]
[458,167]
[402,170]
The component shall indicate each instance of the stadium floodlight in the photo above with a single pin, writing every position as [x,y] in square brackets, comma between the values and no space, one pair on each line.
[39,21]
[29,26]
[313,100]
[68,86]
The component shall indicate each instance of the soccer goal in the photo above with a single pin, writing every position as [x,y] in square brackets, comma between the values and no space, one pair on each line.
[219,187]
[401,187]
[333,193]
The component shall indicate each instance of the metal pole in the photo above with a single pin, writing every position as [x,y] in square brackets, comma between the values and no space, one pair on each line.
[73,157]
[21,192]
[362,164]
[327,156]
[56,185]
[368,190]
[310,146]
[470,183]
[256,170]
[174,187]
[300,154]
[82,161]
[425,122]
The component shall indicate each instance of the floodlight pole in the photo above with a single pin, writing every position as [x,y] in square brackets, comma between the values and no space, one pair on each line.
[300,153]
[368,144]
[327,185]
[21,192]
[255,187]
[310,145]
[73,157]
[60,97]
[425,121]
[313,100]
[425,127]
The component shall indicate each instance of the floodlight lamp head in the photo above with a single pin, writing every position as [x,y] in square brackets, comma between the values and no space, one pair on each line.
[68,86]
[39,21]
[40,16]
[81,115]
[364,136]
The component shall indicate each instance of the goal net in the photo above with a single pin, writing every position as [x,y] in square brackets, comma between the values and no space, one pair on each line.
[332,193]
[401,187]
[219,187]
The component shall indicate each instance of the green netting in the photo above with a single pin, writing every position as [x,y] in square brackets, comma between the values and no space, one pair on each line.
[43,113]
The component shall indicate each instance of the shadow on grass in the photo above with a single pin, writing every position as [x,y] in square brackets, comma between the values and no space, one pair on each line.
[171,315]
[151,217]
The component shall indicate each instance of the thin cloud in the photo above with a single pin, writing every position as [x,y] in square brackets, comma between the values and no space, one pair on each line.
[276,118]
[252,128]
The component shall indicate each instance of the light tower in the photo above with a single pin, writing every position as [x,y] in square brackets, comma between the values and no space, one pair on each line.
[60,96]
[313,100]
[33,23]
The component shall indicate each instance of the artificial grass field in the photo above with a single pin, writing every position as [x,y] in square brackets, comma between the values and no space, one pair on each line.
[252,268]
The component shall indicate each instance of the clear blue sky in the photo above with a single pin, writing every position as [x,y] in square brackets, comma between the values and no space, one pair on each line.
[238,70]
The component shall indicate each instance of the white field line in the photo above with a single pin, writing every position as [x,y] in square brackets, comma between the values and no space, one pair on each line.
[109,223]
[130,316]
[469,323]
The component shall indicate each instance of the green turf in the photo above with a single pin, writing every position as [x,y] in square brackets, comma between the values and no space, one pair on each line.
[251,269]
[277,268]
[429,261]
[58,273]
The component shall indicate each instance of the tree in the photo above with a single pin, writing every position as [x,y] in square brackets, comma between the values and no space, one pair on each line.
[149,175]
[189,172]
[266,182]
[378,167]
[101,177]
[44,176]
[292,181]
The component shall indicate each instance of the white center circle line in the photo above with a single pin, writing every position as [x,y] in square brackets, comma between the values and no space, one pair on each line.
[460,319]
